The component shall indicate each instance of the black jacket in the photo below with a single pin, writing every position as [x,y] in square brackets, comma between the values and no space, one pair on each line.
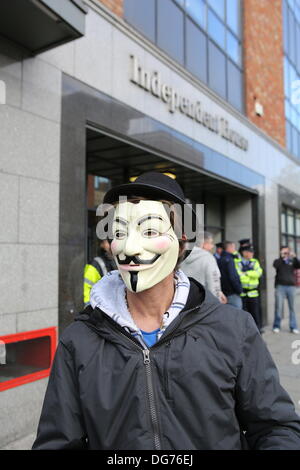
[230,280]
[207,379]
[285,275]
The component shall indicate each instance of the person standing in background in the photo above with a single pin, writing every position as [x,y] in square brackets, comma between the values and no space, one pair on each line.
[250,271]
[96,269]
[218,252]
[202,266]
[285,287]
[230,281]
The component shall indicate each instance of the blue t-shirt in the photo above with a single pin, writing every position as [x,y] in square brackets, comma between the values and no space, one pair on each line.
[150,338]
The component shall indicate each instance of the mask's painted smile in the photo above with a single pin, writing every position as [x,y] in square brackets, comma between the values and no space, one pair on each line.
[135,263]
[145,246]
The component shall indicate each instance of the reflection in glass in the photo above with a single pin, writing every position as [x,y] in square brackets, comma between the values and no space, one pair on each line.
[298,223]
[234,78]
[170,29]
[290,222]
[283,222]
[216,70]
[218,6]
[233,48]
[197,10]
[196,57]
[216,29]
[233,15]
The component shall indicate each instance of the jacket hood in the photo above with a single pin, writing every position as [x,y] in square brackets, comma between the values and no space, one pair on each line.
[195,254]
[199,304]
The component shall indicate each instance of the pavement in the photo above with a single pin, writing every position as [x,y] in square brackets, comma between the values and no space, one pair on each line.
[285,350]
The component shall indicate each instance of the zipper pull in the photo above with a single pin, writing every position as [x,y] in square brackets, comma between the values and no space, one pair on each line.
[146,354]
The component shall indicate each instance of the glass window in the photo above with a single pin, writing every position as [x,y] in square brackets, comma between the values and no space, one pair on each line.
[286,77]
[216,70]
[197,10]
[285,26]
[219,7]
[283,240]
[291,37]
[170,29]
[234,78]
[180,2]
[298,223]
[287,110]
[288,129]
[233,15]
[290,222]
[298,247]
[216,29]
[233,48]
[196,56]
[142,15]
[298,48]
[291,243]
[283,222]
[295,141]
[294,116]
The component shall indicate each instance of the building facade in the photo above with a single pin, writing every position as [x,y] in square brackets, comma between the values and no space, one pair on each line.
[203,89]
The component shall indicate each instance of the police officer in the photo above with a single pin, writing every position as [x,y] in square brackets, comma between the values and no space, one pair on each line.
[250,271]
[218,252]
[96,269]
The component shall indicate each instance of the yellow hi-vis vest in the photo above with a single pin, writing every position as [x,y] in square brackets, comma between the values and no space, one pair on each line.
[92,273]
[249,279]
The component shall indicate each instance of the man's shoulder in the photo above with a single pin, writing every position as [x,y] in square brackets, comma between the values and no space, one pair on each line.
[76,332]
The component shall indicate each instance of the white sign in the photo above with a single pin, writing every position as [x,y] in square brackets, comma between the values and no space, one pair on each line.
[152,83]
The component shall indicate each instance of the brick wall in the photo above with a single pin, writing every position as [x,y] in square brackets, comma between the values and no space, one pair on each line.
[116,6]
[263,62]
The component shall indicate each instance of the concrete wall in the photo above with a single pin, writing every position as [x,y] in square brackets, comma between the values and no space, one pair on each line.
[29,194]
[238,221]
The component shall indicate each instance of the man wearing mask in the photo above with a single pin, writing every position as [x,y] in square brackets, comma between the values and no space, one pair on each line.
[285,288]
[155,361]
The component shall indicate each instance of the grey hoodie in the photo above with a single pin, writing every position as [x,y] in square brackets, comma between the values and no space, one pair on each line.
[202,266]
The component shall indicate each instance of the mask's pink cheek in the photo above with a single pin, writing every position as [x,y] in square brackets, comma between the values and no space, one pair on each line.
[115,248]
[161,244]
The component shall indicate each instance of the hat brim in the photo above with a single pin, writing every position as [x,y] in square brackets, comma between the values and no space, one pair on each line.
[140,189]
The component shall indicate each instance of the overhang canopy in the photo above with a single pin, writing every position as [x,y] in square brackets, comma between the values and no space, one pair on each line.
[38,25]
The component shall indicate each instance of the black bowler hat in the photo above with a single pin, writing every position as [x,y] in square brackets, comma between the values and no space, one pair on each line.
[152,185]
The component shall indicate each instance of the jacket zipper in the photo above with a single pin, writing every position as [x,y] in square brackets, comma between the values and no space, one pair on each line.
[152,406]
[149,378]
[166,373]
[150,388]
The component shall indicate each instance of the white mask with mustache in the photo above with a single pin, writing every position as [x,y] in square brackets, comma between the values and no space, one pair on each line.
[145,246]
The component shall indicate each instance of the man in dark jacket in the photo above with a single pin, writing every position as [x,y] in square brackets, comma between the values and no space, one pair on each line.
[230,279]
[155,361]
[285,287]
